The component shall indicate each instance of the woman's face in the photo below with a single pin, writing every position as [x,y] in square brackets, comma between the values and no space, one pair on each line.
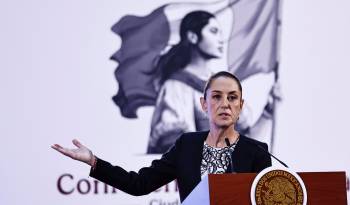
[223,102]
[212,39]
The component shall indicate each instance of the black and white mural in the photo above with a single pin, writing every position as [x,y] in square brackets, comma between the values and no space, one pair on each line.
[169,55]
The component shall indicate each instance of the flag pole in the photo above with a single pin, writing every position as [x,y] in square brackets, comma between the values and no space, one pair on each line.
[276,71]
[273,127]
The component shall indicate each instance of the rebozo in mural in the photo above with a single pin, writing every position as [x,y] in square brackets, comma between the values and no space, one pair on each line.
[166,57]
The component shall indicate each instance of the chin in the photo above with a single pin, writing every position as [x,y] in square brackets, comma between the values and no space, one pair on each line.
[217,55]
[210,55]
[224,124]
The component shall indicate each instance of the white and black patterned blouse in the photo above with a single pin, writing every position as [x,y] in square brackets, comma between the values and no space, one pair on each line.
[216,160]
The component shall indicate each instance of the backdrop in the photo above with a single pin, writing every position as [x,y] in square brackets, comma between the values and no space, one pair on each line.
[57,83]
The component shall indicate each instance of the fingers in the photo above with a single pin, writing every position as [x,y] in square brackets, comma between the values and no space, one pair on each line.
[77,143]
[61,150]
[276,91]
[57,147]
[81,153]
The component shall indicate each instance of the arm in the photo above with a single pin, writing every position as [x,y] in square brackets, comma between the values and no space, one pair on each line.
[148,179]
[173,115]
[263,129]
[144,181]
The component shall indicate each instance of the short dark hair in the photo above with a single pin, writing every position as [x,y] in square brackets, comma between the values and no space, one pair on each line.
[221,74]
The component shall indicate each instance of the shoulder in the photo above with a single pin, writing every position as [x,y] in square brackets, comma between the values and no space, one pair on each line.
[252,143]
[194,136]
[176,90]
[251,155]
[175,84]
[189,146]
[192,139]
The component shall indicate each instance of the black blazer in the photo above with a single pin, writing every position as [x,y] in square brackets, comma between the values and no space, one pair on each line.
[182,162]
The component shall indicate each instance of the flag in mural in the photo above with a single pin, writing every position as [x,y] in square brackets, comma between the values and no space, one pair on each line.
[159,55]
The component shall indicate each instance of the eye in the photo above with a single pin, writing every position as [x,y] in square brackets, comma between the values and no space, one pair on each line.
[232,98]
[214,30]
[216,97]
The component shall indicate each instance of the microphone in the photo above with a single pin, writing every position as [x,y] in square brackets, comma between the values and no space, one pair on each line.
[266,151]
[230,154]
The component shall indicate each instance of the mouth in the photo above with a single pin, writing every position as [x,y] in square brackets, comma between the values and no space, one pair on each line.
[224,115]
[221,49]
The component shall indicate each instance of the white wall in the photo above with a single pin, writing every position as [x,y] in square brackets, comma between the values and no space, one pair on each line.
[57,82]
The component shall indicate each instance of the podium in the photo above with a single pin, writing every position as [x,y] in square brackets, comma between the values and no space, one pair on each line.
[234,189]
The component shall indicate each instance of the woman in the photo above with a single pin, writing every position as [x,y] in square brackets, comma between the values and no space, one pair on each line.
[194,154]
[181,77]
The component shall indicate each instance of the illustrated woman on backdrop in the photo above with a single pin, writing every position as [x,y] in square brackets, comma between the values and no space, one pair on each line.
[182,73]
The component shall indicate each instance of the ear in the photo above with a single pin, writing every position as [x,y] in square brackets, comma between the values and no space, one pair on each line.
[204,104]
[241,104]
[192,37]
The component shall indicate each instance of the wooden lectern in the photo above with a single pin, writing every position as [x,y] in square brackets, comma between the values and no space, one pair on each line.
[323,188]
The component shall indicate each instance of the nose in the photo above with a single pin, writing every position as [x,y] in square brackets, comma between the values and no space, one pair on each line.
[221,41]
[225,103]
[221,38]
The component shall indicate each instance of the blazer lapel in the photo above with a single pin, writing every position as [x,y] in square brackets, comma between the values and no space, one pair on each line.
[242,156]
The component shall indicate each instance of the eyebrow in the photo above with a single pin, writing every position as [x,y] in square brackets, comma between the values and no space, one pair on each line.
[214,28]
[218,91]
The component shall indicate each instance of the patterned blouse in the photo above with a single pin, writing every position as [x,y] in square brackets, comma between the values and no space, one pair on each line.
[216,160]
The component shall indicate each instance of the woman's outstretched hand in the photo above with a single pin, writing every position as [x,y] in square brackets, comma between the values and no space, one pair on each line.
[82,153]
